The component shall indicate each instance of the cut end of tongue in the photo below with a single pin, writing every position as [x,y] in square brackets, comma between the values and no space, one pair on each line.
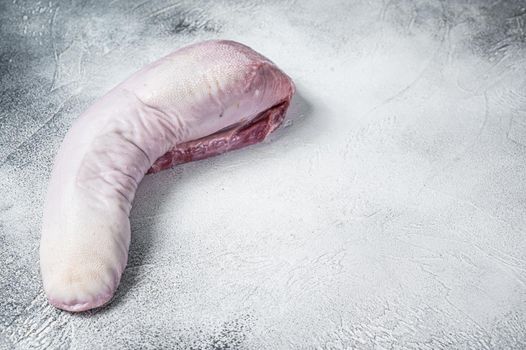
[225,140]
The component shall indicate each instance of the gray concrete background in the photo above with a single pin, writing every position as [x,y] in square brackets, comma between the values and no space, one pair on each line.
[389,212]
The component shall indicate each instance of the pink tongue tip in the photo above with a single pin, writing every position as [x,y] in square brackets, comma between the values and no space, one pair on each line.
[78,306]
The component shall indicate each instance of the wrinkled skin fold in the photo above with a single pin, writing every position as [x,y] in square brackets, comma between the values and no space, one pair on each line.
[199,101]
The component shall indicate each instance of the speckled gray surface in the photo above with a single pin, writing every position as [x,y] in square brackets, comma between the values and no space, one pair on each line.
[389,213]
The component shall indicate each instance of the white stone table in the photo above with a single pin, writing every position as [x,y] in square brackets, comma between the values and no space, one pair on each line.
[389,212]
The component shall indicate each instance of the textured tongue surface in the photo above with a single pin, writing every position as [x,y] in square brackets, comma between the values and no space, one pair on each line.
[223,141]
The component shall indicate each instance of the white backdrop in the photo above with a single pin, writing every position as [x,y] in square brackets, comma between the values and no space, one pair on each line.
[389,212]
